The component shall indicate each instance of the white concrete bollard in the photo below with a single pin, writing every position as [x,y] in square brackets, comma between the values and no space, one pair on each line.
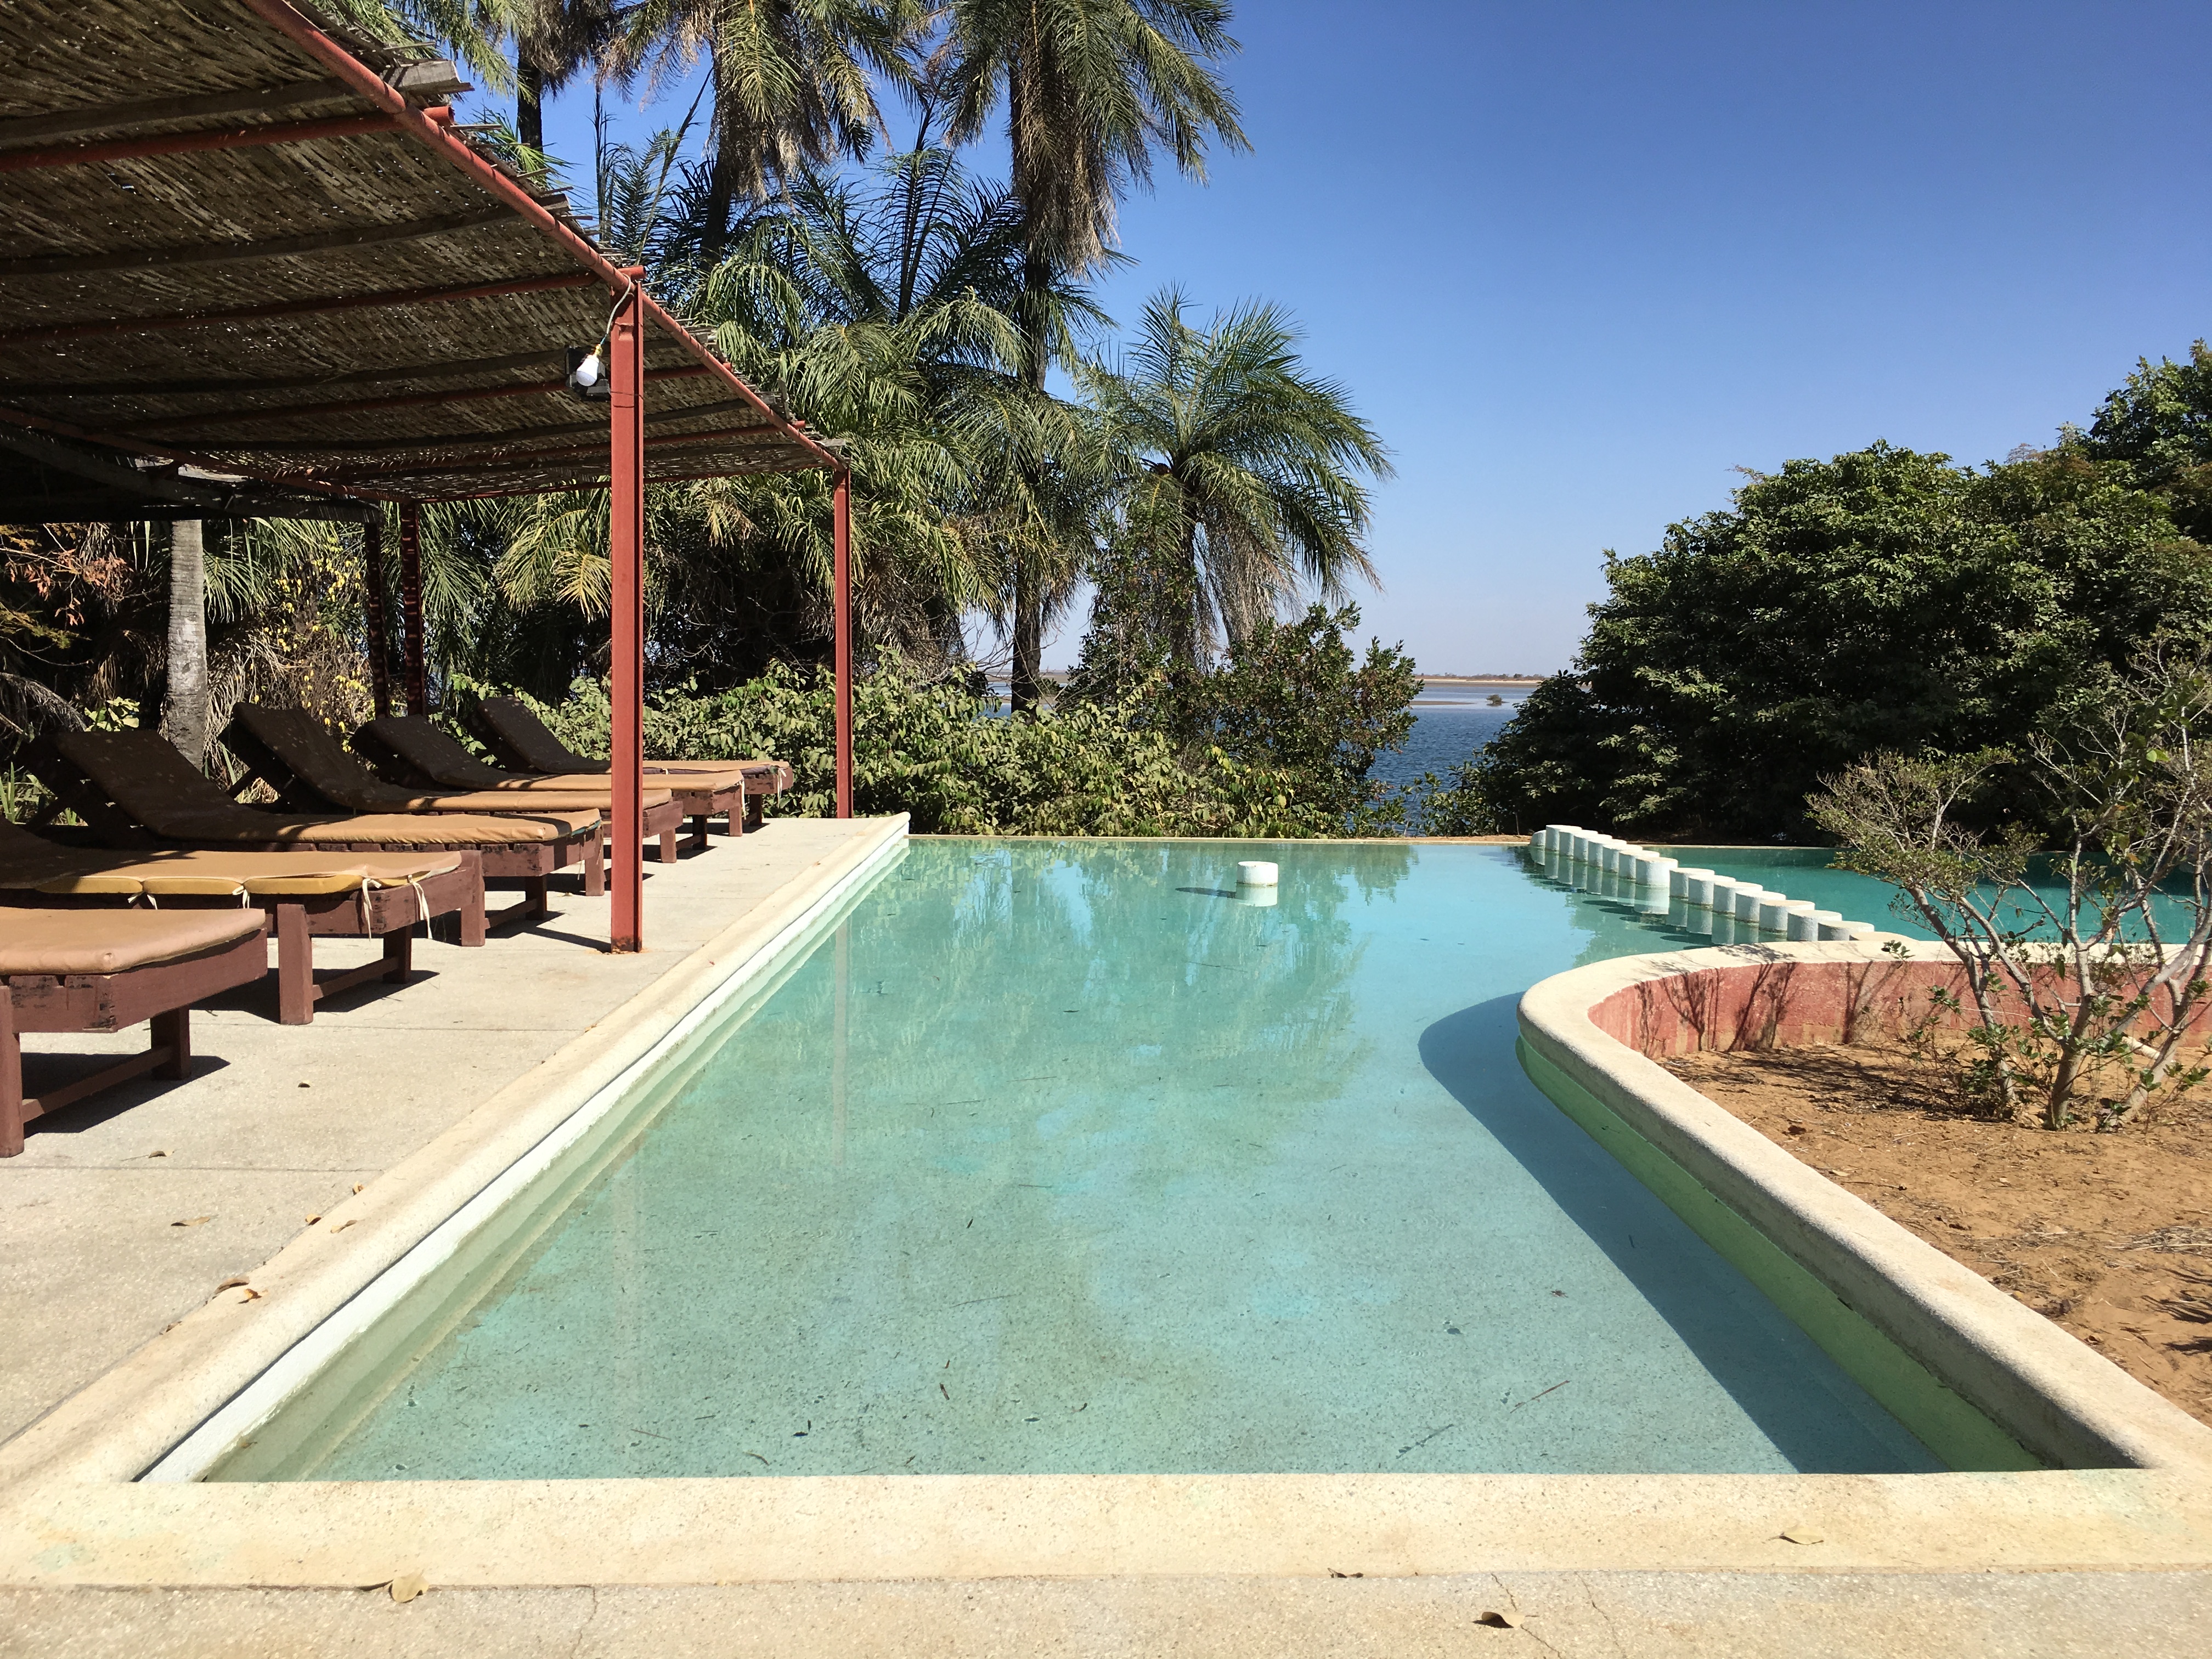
[1747,895]
[1696,886]
[1797,920]
[1773,918]
[1825,922]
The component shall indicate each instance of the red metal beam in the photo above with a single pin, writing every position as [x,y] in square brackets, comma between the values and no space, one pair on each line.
[626,548]
[410,604]
[401,296]
[187,143]
[841,575]
[527,457]
[368,405]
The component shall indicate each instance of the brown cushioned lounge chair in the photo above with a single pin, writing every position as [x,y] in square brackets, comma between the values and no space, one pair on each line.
[521,741]
[299,758]
[135,791]
[345,894]
[411,751]
[103,970]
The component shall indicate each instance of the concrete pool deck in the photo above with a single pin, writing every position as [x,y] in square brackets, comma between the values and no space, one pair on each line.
[2048,1562]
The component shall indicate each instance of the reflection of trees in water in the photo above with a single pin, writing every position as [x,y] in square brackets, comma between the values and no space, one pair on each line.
[1077,977]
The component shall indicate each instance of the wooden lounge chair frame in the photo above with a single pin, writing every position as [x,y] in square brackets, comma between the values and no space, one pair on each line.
[500,723]
[162,991]
[531,864]
[387,914]
[664,822]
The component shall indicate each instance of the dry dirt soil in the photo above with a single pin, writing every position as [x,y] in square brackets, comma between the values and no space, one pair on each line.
[2110,1234]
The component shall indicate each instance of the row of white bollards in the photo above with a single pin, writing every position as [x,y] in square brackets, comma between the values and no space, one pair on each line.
[1709,903]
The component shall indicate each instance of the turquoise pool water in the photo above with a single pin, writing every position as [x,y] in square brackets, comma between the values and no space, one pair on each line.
[1061,1157]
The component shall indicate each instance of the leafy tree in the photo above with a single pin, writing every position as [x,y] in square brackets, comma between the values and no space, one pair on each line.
[1883,600]
[1245,472]
[1090,86]
[2160,423]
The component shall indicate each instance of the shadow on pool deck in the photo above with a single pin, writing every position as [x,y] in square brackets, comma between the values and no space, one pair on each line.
[1678,1277]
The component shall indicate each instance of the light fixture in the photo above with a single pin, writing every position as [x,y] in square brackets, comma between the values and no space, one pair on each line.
[587,373]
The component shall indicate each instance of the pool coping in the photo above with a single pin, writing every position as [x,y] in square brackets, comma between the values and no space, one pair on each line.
[2067,1404]
[72,1511]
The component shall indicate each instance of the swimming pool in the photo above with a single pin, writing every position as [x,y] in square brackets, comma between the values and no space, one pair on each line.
[1072,1158]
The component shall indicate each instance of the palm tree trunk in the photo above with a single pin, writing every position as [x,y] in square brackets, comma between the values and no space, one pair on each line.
[1027,680]
[530,105]
[185,709]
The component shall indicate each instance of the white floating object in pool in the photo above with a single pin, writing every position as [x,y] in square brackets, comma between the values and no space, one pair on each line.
[1254,872]
[1259,898]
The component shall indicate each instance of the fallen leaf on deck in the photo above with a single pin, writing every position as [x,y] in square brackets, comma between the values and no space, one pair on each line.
[310,1221]
[1803,1536]
[193,1222]
[157,1155]
[1498,1620]
[361,1186]
[232,1283]
[246,1293]
[343,1225]
[407,1586]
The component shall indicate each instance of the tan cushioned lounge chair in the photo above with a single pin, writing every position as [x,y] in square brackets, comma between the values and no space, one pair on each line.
[431,753]
[296,755]
[131,785]
[734,790]
[162,790]
[103,970]
[348,894]
[412,749]
[527,743]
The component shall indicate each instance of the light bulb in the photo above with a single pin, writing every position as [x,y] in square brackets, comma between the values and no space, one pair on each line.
[587,372]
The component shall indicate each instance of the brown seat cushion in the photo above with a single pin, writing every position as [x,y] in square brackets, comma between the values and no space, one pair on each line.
[113,941]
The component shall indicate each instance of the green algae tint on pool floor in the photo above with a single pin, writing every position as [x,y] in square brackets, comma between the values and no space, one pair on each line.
[1062,1158]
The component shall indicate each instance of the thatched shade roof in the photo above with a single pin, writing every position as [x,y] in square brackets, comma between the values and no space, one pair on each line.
[241,252]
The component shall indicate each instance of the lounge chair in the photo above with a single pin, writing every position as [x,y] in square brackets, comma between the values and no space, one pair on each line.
[412,751]
[135,791]
[103,970]
[345,894]
[297,757]
[521,741]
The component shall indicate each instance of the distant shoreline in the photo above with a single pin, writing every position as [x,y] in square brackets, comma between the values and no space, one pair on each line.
[1482,679]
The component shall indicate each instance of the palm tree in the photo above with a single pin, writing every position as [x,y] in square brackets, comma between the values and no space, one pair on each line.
[1091,86]
[1245,472]
[553,40]
[789,80]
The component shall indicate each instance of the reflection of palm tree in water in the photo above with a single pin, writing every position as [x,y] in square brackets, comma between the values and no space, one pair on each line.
[1126,964]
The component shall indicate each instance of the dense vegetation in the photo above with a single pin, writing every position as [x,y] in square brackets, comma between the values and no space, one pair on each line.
[1879,601]
[1008,447]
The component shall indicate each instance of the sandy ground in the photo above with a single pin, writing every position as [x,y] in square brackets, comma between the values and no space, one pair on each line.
[2110,1234]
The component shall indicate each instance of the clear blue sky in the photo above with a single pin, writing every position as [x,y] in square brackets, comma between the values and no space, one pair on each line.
[1577,262]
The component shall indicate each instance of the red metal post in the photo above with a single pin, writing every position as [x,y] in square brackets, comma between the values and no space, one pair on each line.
[380,649]
[841,512]
[410,605]
[626,546]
